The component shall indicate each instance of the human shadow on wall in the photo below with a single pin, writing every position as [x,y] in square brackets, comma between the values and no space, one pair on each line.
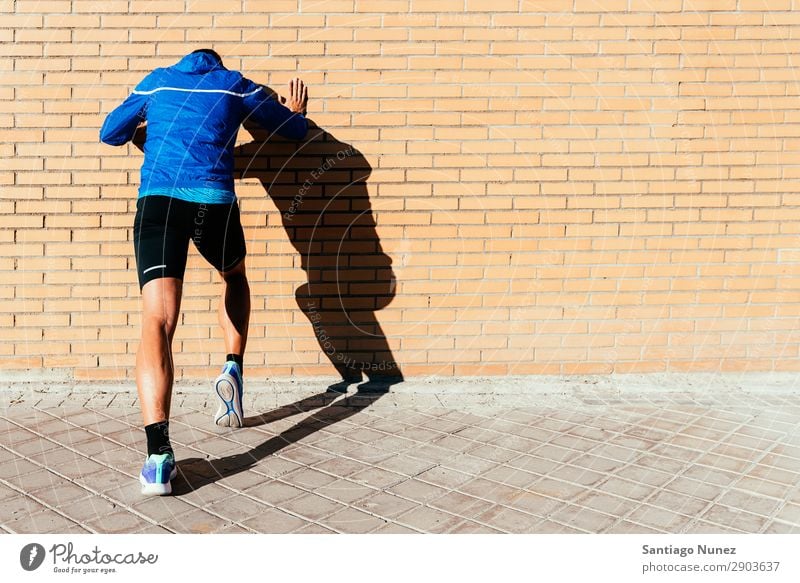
[319,186]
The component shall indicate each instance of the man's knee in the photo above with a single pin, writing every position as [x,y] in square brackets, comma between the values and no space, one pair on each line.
[158,323]
[235,276]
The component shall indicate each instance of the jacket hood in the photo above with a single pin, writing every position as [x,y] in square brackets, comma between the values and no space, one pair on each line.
[198,63]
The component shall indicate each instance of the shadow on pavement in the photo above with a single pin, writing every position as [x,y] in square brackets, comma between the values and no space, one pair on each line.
[194,473]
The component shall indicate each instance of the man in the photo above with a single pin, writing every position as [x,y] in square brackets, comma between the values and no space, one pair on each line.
[192,111]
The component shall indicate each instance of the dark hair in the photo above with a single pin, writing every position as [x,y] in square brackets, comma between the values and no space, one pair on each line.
[211,52]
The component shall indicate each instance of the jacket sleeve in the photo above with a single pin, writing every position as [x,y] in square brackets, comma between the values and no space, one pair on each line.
[271,115]
[120,125]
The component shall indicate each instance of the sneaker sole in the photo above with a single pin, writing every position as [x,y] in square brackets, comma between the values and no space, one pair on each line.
[155,489]
[229,413]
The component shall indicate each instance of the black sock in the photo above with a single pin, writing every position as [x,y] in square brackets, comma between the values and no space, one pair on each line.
[237,358]
[158,438]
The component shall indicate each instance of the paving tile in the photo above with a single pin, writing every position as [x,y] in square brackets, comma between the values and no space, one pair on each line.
[88,509]
[534,464]
[162,509]
[509,520]
[71,528]
[550,527]
[417,491]
[533,503]
[749,502]
[275,492]
[493,453]
[6,493]
[351,520]
[607,503]
[511,476]
[625,527]
[645,475]
[237,508]
[406,465]
[274,521]
[385,505]
[313,529]
[232,528]
[469,464]
[774,474]
[470,527]
[432,453]
[581,518]
[118,522]
[790,464]
[577,475]
[309,478]
[655,460]
[477,434]
[43,521]
[460,504]
[703,527]
[197,521]
[557,489]
[16,468]
[134,438]
[242,480]
[60,492]
[454,444]
[694,488]
[34,446]
[377,478]
[444,477]
[490,490]
[305,456]
[18,506]
[35,480]
[312,506]
[275,467]
[429,519]
[200,496]
[711,475]
[364,435]
[81,470]
[779,527]
[734,518]
[341,467]
[680,503]
[346,491]
[660,519]
[391,528]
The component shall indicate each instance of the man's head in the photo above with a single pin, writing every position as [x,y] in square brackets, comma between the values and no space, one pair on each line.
[211,52]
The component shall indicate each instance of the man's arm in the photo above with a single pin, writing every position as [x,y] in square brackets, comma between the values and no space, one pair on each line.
[120,125]
[287,120]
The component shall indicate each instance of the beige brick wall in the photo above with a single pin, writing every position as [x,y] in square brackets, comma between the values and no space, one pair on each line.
[560,186]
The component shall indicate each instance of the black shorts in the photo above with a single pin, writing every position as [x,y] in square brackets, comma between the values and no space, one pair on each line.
[164,225]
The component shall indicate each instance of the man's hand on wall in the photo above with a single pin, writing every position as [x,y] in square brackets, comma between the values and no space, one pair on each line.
[298,96]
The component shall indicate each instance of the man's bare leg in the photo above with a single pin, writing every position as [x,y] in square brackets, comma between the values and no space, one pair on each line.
[161,303]
[234,318]
[234,309]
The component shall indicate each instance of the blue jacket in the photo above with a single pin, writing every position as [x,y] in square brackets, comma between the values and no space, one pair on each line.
[193,111]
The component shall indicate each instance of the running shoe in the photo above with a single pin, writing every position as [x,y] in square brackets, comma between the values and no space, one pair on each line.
[157,473]
[229,390]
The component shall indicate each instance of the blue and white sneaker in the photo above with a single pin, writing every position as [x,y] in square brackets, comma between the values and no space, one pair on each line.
[157,473]
[229,387]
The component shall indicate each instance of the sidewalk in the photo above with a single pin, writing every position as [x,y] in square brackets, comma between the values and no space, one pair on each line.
[636,454]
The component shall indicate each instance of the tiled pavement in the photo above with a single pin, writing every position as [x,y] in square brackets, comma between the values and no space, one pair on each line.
[587,461]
